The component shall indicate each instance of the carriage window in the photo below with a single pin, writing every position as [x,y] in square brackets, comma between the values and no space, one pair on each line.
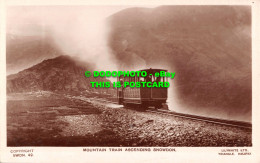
[126,79]
[158,79]
[148,78]
[121,78]
[153,78]
[132,79]
[136,79]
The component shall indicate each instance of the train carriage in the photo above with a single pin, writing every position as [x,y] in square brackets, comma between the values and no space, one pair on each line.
[143,96]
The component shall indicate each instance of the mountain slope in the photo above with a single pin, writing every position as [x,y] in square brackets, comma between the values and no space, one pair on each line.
[209,48]
[59,74]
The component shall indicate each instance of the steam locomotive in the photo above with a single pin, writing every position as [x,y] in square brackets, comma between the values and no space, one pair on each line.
[143,97]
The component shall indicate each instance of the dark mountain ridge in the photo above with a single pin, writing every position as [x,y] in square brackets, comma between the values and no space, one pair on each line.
[62,73]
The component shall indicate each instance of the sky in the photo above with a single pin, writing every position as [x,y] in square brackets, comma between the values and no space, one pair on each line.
[77,30]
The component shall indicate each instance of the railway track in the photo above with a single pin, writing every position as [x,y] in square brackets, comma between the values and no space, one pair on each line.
[231,123]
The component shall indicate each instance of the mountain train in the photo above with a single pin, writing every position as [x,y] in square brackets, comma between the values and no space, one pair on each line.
[143,97]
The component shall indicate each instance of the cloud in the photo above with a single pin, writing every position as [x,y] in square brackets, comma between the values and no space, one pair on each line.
[79,31]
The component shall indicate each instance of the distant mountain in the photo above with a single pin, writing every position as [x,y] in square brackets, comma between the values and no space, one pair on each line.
[209,48]
[24,51]
[62,73]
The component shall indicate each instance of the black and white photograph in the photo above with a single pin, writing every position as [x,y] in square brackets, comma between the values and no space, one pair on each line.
[129,77]
[50,101]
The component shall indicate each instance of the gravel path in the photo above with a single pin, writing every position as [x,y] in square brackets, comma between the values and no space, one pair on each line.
[118,126]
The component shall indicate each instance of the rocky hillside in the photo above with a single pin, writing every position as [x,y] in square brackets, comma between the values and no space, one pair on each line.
[209,48]
[59,74]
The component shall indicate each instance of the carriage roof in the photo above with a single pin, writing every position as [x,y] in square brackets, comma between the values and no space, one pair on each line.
[150,70]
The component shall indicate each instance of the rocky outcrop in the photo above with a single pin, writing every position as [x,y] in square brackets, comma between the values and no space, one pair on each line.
[59,74]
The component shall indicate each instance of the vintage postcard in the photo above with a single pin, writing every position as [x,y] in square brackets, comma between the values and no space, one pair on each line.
[167,81]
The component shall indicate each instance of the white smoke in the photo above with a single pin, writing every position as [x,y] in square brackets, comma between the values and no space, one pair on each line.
[79,31]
